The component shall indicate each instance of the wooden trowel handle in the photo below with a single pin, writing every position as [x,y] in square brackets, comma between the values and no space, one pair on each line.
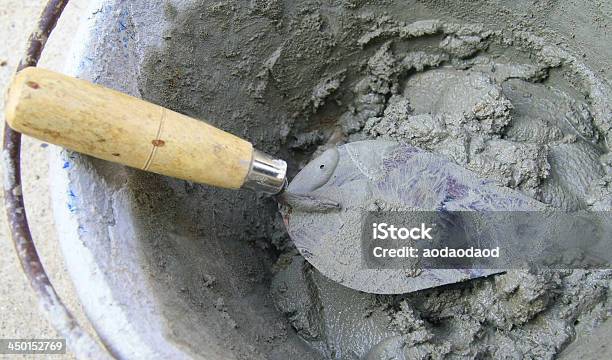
[113,126]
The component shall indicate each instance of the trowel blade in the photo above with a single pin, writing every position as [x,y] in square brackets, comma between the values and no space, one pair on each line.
[362,174]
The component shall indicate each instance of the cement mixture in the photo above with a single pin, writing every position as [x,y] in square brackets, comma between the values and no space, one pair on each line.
[504,104]
[508,121]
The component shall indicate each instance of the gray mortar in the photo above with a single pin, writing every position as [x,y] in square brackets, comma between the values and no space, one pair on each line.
[508,122]
[217,276]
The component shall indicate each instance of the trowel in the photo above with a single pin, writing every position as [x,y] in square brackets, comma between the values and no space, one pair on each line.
[322,204]
[113,126]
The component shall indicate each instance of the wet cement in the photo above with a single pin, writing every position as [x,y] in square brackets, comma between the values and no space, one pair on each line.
[297,78]
[504,120]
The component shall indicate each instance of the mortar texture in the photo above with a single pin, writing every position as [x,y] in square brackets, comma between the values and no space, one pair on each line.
[464,95]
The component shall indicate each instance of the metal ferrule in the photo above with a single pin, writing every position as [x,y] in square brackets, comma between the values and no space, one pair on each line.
[267,174]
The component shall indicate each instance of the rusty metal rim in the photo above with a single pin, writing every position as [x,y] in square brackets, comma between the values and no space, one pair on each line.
[79,341]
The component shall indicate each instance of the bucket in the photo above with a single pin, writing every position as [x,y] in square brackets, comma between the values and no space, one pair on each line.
[170,269]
